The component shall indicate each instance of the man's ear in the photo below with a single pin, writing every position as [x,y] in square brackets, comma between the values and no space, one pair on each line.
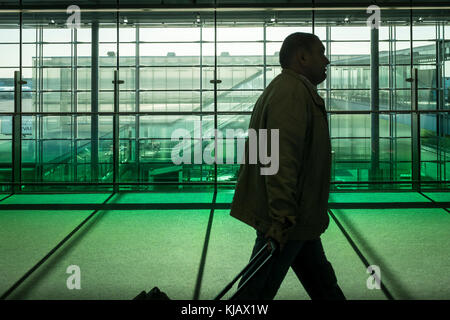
[300,56]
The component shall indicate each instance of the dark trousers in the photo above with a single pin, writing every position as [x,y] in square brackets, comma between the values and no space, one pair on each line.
[309,263]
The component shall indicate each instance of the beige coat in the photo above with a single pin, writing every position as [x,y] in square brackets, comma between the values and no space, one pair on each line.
[291,204]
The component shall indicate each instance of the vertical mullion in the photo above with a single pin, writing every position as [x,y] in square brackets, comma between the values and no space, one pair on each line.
[17,121]
[265,54]
[439,93]
[391,95]
[441,172]
[41,103]
[201,99]
[137,107]
[394,96]
[94,99]
[374,101]
[215,101]
[328,81]
[116,142]
[415,116]
[74,105]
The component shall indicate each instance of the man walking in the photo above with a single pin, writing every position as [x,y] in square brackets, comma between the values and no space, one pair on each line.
[290,206]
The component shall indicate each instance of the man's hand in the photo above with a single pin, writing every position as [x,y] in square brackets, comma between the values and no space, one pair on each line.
[272,244]
[275,233]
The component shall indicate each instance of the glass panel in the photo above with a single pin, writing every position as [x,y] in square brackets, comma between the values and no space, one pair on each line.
[350,33]
[349,125]
[279,33]
[6,101]
[159,78]
[402,125]
[427,99]
[9,33]
[84,34]
[384,96]
[350,53]
[234,33]
[232,126]
[424,52]
[28,151]
[127,127]
[106,101]
[350,77]
[56,55]
[84,78]
[176,54]
[127,54]
[239,53]
[106,76]
[235,78]
[83,127]
[170,101]
[128,75]
[57,101]
[127,101]
[5,127]
[402,52]
[426,76]
[84,102]
[57,35]
[169,34]
[165,126]
[383,48]
[29,55]
[57,151]
[84,54]
[402,33]
[107,54]
[352,150]
[402,100]
[10,55]
[57,78]
[350,100]
[424,32]
[56,127]
[7,89]
[29,34]
[231,100]
[401,73]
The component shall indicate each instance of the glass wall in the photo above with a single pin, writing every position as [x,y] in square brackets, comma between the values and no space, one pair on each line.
[10,43]
[184,74]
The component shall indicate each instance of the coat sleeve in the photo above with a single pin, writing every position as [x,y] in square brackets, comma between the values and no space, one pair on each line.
[288,114]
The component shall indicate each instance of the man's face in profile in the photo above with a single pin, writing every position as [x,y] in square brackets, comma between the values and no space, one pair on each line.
[314,63]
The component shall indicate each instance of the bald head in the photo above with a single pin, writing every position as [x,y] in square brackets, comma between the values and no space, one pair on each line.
[294,42]
[304,53]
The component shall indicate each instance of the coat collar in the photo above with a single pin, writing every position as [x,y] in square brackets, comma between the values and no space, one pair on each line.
[312,88]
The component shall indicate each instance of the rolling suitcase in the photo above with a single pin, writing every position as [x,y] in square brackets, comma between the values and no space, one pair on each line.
[260,259]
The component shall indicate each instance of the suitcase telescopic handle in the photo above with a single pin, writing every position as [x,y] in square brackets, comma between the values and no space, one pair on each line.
[258,260]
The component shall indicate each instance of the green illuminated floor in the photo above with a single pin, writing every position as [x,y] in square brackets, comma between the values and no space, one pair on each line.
[121,252]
